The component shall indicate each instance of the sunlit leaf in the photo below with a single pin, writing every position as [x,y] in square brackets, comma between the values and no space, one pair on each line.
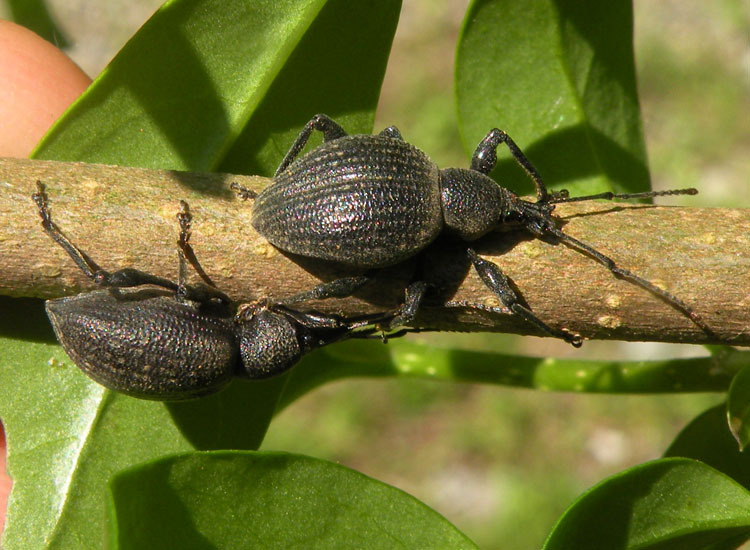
[178,95]
[738,407]
[269,500]
[559,78]
[668,503]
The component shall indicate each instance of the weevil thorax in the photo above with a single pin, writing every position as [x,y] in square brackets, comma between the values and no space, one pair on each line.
[473,203]
[269,344]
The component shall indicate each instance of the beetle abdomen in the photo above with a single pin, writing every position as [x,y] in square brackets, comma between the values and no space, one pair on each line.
[367,201]
[173,351]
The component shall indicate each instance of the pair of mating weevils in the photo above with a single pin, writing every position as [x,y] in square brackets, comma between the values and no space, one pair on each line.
[367,201]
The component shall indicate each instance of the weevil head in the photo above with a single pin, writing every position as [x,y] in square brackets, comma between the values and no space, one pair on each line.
[473,203]
[273,339]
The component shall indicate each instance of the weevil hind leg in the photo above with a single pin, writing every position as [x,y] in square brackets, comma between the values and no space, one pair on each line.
[122,278]
[331,130]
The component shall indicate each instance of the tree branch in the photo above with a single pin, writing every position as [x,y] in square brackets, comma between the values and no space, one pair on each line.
[125,217]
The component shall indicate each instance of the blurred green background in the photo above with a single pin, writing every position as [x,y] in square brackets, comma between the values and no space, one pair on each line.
[503,464]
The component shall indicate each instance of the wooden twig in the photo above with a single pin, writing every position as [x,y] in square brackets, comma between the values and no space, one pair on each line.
[126,217]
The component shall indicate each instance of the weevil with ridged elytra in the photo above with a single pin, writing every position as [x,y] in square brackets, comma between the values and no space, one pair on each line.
[371,201]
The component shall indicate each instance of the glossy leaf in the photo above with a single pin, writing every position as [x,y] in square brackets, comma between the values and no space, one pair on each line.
[559,77]
[708,439]
[336,69]
[269,500]
[199,73]
[668,503]
[178,95]
[738,407]
[67,435]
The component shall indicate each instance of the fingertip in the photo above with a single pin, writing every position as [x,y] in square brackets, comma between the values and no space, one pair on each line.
[39,83]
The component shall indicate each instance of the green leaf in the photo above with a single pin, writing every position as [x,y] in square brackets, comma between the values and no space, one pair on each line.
[337,69]
[738,407]
[559,77]
[668,503]
[35,16]
[708,439]
[199,73]
[269,500]
[178,95]
[67,435]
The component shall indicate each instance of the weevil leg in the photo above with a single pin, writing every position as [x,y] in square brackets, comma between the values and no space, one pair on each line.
[319,329]
[186,254]
[497,281]
[485,159]
[243,193]
[324,124]
[392,132]
[339,288]
[369,322]
[413,299]
[312,319]
[344,287]
[317,320]
[122,278]
[610,264]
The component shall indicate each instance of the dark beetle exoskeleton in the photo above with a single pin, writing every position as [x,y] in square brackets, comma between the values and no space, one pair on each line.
[324,203]
[180,341]
[146,343]
[374,200]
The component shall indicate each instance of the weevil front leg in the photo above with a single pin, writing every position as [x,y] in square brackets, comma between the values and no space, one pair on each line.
[485,159]
[122,278]
[498,282]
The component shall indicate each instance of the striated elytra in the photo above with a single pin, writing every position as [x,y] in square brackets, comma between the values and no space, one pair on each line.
[371,201]
[146,343]
[331,203]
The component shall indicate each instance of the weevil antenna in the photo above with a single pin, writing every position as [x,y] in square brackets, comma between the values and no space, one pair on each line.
[610,264]
[609,195]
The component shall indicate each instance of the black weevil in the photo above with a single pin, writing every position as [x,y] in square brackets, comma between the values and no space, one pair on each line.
[375,200]
[170,340]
